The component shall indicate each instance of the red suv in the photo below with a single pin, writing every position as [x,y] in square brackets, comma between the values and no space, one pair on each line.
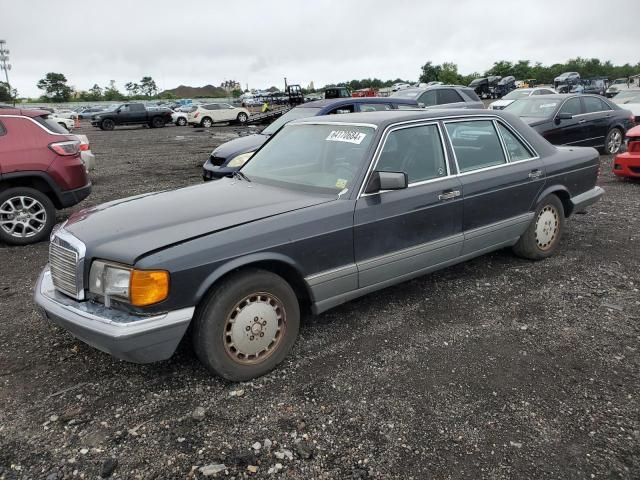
[40,171]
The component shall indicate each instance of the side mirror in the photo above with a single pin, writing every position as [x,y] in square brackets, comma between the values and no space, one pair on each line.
[421,105]
[386,181]
[118,111]
[563,116]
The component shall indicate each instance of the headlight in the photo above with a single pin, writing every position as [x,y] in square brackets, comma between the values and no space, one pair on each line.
[137,287]
[97,117]
[240,160]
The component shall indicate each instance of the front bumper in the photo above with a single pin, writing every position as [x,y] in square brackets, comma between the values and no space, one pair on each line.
[213,172]
[582,201]
[134,338]
[627,165]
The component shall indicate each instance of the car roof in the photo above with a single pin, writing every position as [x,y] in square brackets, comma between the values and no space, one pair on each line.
[337,102]
[25,112]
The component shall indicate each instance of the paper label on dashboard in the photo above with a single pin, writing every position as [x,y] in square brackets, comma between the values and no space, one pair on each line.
[349,136]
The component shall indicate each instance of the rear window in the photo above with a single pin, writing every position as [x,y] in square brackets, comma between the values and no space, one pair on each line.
[469,92]
[49,124]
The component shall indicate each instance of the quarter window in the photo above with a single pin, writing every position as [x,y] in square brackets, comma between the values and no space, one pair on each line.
[571,106]
[593,104]
[515,148]
[448,95]
[476,145]
[428,98]
[417,151]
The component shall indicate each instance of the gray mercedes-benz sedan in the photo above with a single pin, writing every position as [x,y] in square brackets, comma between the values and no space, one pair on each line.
[329,209]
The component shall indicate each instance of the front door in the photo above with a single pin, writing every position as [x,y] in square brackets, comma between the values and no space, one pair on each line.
[499,184]
[400,232]
[570,131]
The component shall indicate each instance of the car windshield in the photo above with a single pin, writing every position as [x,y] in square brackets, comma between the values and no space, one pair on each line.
[533,107]
[619,81]
[293,114]
[514,95]
[632,96]
[314,158]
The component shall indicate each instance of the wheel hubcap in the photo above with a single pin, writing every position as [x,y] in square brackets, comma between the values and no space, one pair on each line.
[254,328]
[615,141]
[547,227]
[22,217]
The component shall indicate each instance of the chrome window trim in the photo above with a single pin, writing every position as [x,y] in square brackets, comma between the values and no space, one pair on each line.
[401,126]
[349,124]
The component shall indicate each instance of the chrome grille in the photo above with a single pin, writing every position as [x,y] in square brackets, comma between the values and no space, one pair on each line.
[63,262]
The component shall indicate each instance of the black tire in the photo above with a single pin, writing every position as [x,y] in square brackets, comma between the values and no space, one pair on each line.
[156,122]
[107,124]
[543,235]
[217,332]
[207,121]
[613,141]
[181,121]
[242,118]
[44,220]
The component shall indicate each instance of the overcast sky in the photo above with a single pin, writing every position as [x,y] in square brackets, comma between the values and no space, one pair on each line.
[260,42]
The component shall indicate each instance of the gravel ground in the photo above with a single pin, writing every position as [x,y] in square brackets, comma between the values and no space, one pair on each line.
[496,368]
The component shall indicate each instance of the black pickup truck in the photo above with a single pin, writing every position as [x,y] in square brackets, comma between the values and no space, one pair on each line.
[132,114]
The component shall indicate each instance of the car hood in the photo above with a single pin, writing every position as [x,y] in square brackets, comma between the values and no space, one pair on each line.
[237,146]
[632,107]
[534,121]
[125,230]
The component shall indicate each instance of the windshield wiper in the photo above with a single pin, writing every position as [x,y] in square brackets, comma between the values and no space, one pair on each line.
[240,175]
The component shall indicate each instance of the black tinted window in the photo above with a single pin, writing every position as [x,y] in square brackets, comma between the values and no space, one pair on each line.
[342,109]
[448,95]
[515,148]
[416,151]
[373,107]
[476,144]
[211,106]
[136,107]
[50,125]
[593,104]
[2,129]
[469,92]
[571,106]
[428,98]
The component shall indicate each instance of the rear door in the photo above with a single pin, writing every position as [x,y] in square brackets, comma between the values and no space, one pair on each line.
[449,98]
[137,113]
[400,232]
[570,131]
[501,177]
[597,115]
[227,112]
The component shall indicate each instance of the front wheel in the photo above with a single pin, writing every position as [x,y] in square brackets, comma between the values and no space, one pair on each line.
[247,325]
[542,237]
[26,216]
[181,122]
[613,142]
[206,122]
[242,118]
[107,124]
[156,122]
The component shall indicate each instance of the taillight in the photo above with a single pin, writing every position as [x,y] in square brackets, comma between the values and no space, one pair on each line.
[71,147]
[84,147]
[195,115]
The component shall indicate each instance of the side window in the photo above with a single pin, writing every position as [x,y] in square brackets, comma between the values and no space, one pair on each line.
[137,107]
[124,108]
[416,151]
[225,105]
[211,106]
[2,129]
[342,109]
[374,107]
[428,98]
[476,145]
[571,106]
[515,148]
[448,95]
[593,104]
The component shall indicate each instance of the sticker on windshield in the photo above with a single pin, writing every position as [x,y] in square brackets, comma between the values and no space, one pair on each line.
[349,136]
[548,105]
[341,183]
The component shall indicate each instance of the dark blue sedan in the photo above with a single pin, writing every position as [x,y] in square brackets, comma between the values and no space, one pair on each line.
[230,156]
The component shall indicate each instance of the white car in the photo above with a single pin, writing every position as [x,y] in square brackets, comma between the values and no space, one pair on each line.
[65,123]
[618,85]
[86,155]
[399,86]
[66,113]
[208,114]
[514,95]
[180,118]
[629,100]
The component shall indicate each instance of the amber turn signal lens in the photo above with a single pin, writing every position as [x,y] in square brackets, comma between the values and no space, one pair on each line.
[148,287]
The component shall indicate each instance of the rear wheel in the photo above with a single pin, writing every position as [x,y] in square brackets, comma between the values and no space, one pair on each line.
[107,124]
[247,325]
[26,216]
[206,122]
[242,118]
[613,142]
[543,235]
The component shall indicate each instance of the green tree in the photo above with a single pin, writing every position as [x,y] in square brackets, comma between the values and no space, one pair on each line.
[5,93]
[55,87]
[132,89]
[148,87]
[449,74]
[236,93]
[95,93]
[430,73]
[111,93]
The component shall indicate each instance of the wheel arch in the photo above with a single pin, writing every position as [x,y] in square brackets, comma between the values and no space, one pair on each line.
[277,263]
[33,179]
[206,117]
[562,193]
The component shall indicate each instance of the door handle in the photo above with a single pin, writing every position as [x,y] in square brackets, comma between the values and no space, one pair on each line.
[582,121]
[449,194]
[533,174]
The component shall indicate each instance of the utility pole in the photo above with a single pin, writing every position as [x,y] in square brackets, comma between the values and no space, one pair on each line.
[4,58]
